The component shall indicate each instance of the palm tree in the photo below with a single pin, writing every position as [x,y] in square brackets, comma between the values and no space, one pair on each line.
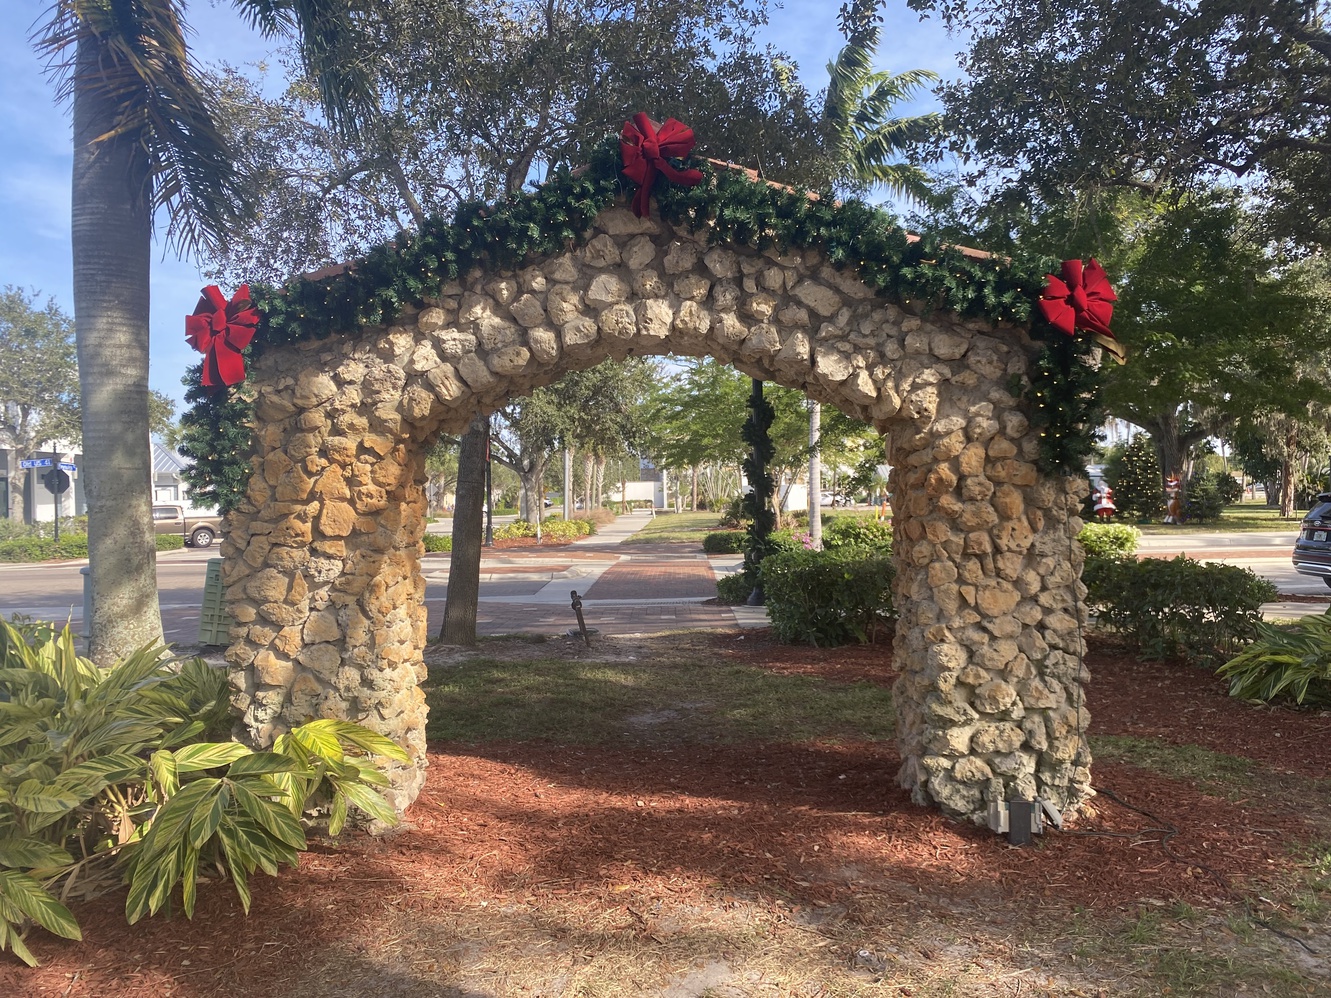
[857,116]
[145,139]
[857,110]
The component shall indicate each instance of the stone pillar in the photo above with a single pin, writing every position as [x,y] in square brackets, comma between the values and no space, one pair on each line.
[323,562]
[989,702]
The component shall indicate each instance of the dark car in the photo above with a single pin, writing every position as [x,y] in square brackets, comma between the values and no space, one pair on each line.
[1312,551]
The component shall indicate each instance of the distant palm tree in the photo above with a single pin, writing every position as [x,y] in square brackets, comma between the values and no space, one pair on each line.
[145,139]
[857,110]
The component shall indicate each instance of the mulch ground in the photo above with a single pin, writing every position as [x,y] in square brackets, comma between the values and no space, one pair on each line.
[533,832]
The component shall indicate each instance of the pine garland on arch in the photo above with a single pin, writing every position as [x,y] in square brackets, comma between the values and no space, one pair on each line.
[924,274]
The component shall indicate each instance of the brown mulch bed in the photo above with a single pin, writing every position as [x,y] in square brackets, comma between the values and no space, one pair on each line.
[533,833]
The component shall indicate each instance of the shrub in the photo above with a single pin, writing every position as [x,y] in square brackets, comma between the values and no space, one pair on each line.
[27,548]
[725,542]
[733,516]
[518,528]
[1105,540]
[104,767]
[733,590]
[1202,611]
[828,597]
[1293,661]
[600,516]
[165,542]
[567,530]
[1202,500]
[438,542]
[1228,487]
[857,531]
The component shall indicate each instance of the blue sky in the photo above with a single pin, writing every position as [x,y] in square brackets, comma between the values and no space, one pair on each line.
[35,157]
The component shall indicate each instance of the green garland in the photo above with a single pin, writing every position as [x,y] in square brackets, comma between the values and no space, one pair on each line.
[757,433]
[924,275]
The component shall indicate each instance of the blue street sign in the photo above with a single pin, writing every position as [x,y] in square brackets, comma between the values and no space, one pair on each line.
[68,466]
[37,462]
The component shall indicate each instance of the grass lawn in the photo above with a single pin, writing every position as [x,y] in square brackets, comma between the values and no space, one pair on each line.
[676,528]
[1242,518]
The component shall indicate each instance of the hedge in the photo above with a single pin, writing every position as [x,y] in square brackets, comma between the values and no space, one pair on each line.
[725,542]
[828,597]
[1203,611]
[1105,540]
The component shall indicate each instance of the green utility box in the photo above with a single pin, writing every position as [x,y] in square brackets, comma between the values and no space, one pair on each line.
[214,621]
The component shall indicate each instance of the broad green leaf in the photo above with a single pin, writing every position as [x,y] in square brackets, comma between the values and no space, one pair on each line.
[337,814]
[30,897]
[263,762]
[209,755]
[30,853]
[172,821]
[11,940]
[165,772]
[189,873]
[40,798]
[363,738]
[274,818]
[205,821]
[368,801]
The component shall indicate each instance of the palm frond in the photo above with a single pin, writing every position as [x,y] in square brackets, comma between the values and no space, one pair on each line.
[134,60]
[327,34]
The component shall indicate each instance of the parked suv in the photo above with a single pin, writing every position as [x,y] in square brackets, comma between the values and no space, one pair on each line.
[1312,551]
[197,528]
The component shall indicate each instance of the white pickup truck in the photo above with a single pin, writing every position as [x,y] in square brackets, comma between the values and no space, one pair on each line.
[197,527]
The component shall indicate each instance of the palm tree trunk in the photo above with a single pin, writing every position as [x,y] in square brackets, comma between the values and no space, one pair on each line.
[464,565]
[112,234]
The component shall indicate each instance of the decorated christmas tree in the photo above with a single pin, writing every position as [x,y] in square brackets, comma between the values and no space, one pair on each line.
[1138,493]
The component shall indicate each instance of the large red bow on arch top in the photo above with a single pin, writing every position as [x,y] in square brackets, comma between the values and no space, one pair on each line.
[220,330]
[646,148]
[1082,299]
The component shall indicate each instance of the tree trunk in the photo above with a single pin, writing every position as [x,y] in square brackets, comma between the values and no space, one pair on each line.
[464,566]
[600,480]
[1287,473]
[531,476]
[588,477]
[694,490]
[815,475]
[111,232]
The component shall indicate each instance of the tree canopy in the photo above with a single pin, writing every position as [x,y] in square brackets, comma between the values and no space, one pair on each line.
[1062,96]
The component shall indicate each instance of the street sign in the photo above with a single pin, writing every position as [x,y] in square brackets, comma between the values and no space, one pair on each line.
[68,466]
[36,462]
[56,481]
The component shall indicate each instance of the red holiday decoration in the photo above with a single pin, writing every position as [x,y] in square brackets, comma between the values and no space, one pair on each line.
[646,148]
[1082,299]
[220,330]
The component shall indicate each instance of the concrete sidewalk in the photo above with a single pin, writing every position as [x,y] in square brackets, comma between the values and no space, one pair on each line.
[623,591]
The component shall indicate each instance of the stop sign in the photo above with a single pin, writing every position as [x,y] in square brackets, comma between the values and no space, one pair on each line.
[57,481]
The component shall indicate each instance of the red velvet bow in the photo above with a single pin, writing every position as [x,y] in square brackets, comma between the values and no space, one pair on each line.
[1082,299]
[220,330]
[645,151]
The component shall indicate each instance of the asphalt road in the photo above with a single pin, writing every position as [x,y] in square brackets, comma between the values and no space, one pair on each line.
[55,591]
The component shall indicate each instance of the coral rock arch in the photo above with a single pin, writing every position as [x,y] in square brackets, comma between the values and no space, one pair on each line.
[323,558]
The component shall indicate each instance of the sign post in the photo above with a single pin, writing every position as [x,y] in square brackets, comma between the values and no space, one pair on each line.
[57,482]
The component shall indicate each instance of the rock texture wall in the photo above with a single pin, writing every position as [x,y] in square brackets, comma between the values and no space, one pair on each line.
[323,559]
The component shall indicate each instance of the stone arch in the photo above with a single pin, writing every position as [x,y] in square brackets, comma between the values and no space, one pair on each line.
[322,563]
